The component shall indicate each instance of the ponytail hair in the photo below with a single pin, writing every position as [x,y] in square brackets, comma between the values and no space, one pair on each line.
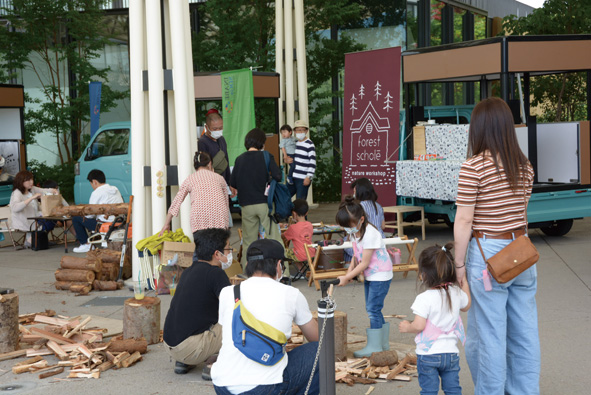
[437,269]
[351,210]
[201,159]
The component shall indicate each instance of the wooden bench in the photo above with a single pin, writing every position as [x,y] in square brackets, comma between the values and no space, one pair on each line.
[317,274]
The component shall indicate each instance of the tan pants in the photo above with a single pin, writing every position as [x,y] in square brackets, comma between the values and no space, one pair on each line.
[198,348]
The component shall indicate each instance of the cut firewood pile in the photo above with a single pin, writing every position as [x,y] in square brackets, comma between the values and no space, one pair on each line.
[98,271]
[380,367]
[80,349]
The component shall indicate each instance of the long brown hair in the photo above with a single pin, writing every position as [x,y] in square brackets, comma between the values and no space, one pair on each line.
[20,178]
[492,130]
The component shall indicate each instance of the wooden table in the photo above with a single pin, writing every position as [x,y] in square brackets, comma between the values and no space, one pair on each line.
[67,221]
[399,211]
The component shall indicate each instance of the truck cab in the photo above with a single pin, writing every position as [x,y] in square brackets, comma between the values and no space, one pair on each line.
[110,152]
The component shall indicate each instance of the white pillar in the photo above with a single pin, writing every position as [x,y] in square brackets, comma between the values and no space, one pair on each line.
[300,39]
[138,140]
[279,38]
[289,71]
[183,103]
[156,105]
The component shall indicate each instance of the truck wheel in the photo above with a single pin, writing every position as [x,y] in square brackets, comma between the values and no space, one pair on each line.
[558,228]
[448,222]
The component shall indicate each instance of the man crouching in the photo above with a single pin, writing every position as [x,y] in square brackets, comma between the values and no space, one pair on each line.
[191,330]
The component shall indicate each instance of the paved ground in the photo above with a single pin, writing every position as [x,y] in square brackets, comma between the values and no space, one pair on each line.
[563,303]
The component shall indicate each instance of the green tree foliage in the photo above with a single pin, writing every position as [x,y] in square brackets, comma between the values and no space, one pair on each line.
[240,33]
[561,97]
[45,37]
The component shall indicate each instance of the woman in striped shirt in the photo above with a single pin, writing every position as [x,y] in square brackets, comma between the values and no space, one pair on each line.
[494,186]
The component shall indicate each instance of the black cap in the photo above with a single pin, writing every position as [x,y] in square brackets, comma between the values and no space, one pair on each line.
[266,249]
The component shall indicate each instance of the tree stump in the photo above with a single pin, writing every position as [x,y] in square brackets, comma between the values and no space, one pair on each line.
[141,318]
[9,332]
[340,334]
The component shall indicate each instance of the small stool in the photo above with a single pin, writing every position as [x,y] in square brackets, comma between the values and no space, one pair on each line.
[399,211]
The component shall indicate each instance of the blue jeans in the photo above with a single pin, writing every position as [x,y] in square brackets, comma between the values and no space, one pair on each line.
[375,294]
[295,376]
[446,366]
[80,224]
[298,188]
[502,341]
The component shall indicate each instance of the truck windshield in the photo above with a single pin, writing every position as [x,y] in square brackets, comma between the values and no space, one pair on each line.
[109,143]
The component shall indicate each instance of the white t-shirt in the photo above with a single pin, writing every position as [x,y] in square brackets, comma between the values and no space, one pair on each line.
[432,305]
[380,266]
[105,194]
[269,301]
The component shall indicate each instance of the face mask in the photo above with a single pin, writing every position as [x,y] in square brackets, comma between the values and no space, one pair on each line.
[216,134]
[228,263]
[354,229]
[300,136]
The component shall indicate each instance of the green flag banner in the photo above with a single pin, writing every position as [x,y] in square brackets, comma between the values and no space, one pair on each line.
[237,109]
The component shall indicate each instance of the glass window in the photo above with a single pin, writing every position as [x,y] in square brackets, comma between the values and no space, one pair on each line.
[109,143]
[479,27]
[459,24]
[412,24]
[436,10]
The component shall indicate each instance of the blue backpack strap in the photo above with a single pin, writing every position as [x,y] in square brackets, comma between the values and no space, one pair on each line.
[267,160]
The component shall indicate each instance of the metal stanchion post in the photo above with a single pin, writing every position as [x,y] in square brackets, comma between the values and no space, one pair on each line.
[327,362]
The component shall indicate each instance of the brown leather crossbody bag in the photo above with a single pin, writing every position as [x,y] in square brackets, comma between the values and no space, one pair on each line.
[514,259]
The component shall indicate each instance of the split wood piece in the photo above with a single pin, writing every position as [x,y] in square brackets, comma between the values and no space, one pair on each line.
[398,377]
[110,356]
[29,367]
[107,285]
[85,276]
[400,367]
[383,358]
[80,289]
[89,337]
[297,339]
[395,316]
[52,320]
[105,366]
[76,375]
[80,210]
[141,319]
[26,319]
[77,263]
[67,363]
[9,329]
[50,367]
[59,339]
[22,329]
[29,361]
[351,380]
[119,358]
[57,350]
[88,354]
[46,351]
[129,345]
[370,390]
[78,327]
[12,355]
[133,358]
[51,373]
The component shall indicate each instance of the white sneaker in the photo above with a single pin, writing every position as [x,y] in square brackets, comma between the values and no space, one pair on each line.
[82,249]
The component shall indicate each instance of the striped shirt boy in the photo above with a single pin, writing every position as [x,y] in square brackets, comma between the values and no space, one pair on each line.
[304,160]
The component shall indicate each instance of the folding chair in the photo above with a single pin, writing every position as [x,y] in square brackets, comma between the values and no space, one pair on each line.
[301,273]
[6,227]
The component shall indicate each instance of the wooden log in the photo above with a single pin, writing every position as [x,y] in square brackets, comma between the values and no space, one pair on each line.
[141,319]
[76,263]
[383,358]
[108,273]
[106,285]
[9,321]
[105,255]
[129,345]
[51,373]
[85,276]
[105,366]
[340,334]
[133,358]
[79,210]
[82,289]
[119,358]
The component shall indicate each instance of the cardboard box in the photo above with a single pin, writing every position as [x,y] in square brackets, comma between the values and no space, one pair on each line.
[418,140]
[184,251]
[235,269]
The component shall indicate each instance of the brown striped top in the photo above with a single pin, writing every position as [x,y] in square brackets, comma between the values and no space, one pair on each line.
[497,209]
